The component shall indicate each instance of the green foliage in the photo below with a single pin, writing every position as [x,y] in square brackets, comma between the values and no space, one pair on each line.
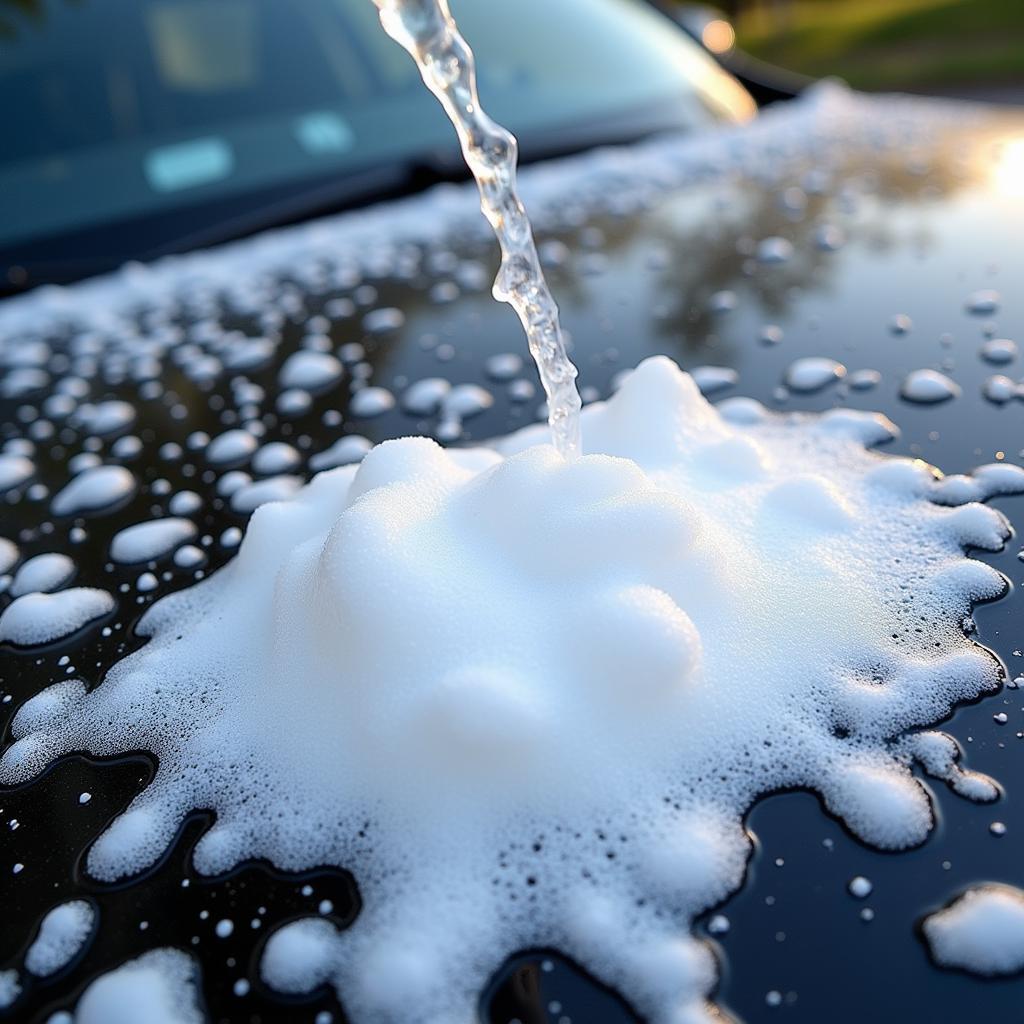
[890,44]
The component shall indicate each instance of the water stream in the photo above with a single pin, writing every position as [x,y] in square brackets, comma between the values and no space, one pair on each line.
[426,29]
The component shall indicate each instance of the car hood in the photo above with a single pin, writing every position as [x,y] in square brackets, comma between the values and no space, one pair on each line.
[874,232]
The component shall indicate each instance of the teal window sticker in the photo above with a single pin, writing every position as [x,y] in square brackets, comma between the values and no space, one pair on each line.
[324,132]
[189,164]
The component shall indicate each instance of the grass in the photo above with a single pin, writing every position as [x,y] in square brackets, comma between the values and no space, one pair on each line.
[890,44]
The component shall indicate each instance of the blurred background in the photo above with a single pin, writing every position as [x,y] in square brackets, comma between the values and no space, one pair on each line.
[969,48]
[136,128]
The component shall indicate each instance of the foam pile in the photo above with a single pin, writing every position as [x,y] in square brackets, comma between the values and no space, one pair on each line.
[982,931]
[62,934]
[527,702]
[158,987]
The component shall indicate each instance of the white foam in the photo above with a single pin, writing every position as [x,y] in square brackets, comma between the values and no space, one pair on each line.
[939,754]
[298,957]
[250,496]
[22,381]
[8,555]
[504,365]
[276,457]
[43,573]
[813,372]
[424,397]
[371,401]
[14,471]
[294,402]
[184,503]
[309,371]
[126,447]
[106,417]
[94,490]
[231,446]
[189,557]
[42,618]
[860,887]
[10,988]
[154,539]
[384,320]
[249,353]
[982,931]
[553,660]
[62,934]
[343,452]
[158,987]
[466,400]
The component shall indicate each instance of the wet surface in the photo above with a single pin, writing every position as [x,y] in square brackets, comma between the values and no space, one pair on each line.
[920,234]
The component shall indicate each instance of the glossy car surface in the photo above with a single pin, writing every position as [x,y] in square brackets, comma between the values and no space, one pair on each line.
[882,221]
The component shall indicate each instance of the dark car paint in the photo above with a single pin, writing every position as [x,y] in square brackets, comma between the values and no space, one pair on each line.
[920,238]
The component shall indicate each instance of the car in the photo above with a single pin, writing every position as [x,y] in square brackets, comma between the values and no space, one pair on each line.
[141,130]
[247,222]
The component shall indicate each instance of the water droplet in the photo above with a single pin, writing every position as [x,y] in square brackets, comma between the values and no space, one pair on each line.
[711,379]
[860,887]
[999,351]
[983,303]
[371,401]
[900,324]
[813,373]
[928,387]
[1001,389]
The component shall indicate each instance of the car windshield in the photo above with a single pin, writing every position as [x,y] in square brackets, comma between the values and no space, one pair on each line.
[121,110]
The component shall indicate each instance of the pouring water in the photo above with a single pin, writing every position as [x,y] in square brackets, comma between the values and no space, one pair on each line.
[426,29]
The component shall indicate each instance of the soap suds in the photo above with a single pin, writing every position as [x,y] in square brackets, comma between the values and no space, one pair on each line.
[42,574]
[311,371]
[144,542]
[62,934]
[42,618]
[8,555]
[343,452]
[10,988]
[230,447]
[813,373]
[106,417]
[14,471]
[94,490]
[554,660]
[158,987]
[982,931]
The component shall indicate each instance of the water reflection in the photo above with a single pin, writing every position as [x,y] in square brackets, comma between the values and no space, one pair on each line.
[635,285]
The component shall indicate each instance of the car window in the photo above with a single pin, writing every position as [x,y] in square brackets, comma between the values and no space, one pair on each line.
[125,107]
